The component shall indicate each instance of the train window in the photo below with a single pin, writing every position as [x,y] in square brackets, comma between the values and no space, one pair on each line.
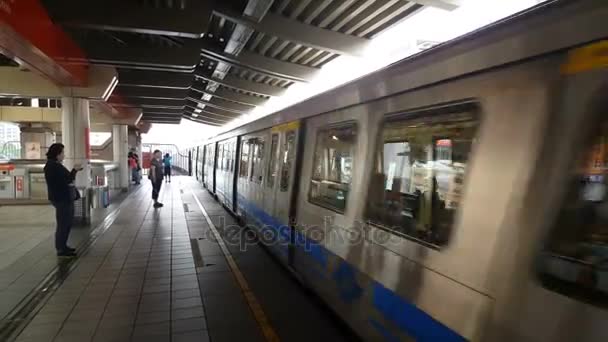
[575,259]
[332,166]
[244,164]
[418,175]
[232,156]
[287,159]
[257,161]
[272,168]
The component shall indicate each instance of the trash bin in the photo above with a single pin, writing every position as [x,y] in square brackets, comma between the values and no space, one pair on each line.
[99,196]
[82,209]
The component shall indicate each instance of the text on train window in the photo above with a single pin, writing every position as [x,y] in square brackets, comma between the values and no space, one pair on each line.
[272,168]
[288,151]
[418,177]
[332,166]
[244,164]
[257,160]
[575,259]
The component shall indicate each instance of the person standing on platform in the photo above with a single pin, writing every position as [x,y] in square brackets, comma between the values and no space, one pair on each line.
[134,168]
[156,176]
[61,193]
[167,162]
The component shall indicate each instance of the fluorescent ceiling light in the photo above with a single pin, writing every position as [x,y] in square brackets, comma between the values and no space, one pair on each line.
[110,89]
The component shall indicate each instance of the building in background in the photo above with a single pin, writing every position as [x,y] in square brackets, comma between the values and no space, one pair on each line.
[9,132]
[10,137]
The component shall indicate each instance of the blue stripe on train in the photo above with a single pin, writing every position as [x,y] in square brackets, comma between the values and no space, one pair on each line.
[406,316]
[409,318]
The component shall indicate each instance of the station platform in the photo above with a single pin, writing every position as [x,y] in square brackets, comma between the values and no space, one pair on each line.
[147,274]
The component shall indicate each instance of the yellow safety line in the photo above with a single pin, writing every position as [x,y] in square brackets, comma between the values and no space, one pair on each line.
[252,301]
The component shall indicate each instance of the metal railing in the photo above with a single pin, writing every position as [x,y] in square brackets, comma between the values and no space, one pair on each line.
[10,150]
[180,158]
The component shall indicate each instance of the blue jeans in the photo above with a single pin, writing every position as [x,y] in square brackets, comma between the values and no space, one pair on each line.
[64,214]
[135,175]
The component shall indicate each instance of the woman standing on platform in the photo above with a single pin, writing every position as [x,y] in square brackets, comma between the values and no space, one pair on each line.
[62,194]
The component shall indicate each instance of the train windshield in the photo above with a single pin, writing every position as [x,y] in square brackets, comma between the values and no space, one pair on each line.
[419,174]
[575,261]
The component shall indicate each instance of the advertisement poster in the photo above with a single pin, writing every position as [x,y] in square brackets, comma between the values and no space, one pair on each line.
[32,150]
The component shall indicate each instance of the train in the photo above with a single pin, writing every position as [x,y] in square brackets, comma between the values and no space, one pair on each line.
[455,195]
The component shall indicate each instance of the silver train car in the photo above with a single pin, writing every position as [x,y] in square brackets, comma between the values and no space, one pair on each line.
[457,195]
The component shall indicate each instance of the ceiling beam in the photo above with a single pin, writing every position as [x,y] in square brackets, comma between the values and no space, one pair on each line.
[135,101]
[448,5]
[152,119]
[152,93]
[206,118]
[295,31]
[192,107]
[227,94]
[203,121]
[154,79]
[231,81]
[222,104]
[179,59]
[128,16]
[208,115]
[269,66]
[152,111]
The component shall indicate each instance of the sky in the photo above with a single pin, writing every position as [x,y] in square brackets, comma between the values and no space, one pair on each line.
[398,42]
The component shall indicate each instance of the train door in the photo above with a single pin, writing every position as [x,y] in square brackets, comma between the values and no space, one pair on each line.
[269,188]
[229,180]
[213,167]
[220,171]
[243,178]
[259,151]
[203,166]
[278,187]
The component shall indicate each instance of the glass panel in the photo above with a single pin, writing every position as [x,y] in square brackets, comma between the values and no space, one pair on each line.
[287,159]
[332,166]
[232,153]
[272,168]
[575,260]
[220,163]
[257,160]
[243,166]
[420,167]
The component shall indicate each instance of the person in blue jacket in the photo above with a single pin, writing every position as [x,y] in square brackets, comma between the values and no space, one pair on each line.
[167,163]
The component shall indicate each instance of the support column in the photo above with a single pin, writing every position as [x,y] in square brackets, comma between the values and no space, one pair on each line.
[75,127]
[120,146]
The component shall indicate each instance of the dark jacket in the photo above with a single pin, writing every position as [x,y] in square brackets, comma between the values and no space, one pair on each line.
[58,179]
[158,168]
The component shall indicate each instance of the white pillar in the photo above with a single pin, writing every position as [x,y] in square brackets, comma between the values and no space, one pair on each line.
[120,146]
[75,127]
